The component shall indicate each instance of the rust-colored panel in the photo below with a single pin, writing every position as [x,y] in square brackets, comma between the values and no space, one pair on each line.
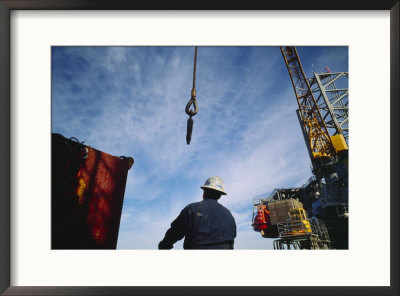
[88,189]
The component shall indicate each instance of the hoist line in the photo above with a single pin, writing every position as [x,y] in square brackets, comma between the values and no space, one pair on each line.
[192,100]
[194,67]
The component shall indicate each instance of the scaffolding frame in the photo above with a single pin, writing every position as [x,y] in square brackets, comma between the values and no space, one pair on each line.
[297,236]
[333,102]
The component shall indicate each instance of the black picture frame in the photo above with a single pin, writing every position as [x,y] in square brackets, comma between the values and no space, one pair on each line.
[7,6]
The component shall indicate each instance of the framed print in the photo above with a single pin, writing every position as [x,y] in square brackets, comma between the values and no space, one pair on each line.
[53,50]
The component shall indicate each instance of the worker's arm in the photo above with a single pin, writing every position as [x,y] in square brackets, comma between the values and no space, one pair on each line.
[176,232]
[231,243]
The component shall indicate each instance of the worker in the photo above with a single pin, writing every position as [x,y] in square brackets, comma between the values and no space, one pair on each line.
[206,224]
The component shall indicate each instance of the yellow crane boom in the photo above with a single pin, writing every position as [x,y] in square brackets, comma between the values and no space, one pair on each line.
[319,141]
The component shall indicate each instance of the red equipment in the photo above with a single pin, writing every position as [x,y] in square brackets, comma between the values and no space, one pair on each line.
[261,220]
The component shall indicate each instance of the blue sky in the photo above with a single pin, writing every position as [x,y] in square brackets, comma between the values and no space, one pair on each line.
[130,101]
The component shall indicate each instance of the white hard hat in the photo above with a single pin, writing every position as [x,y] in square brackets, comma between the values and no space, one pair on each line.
[214,183]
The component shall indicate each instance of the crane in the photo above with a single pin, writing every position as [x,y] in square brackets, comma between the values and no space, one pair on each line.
[328,152]
[322,146]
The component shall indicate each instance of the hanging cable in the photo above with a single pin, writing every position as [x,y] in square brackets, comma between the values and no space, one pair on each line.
[192,101]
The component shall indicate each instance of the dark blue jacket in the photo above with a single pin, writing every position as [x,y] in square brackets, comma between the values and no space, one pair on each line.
[205,225]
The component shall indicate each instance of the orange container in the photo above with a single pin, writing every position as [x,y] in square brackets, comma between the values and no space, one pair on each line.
[88,188]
